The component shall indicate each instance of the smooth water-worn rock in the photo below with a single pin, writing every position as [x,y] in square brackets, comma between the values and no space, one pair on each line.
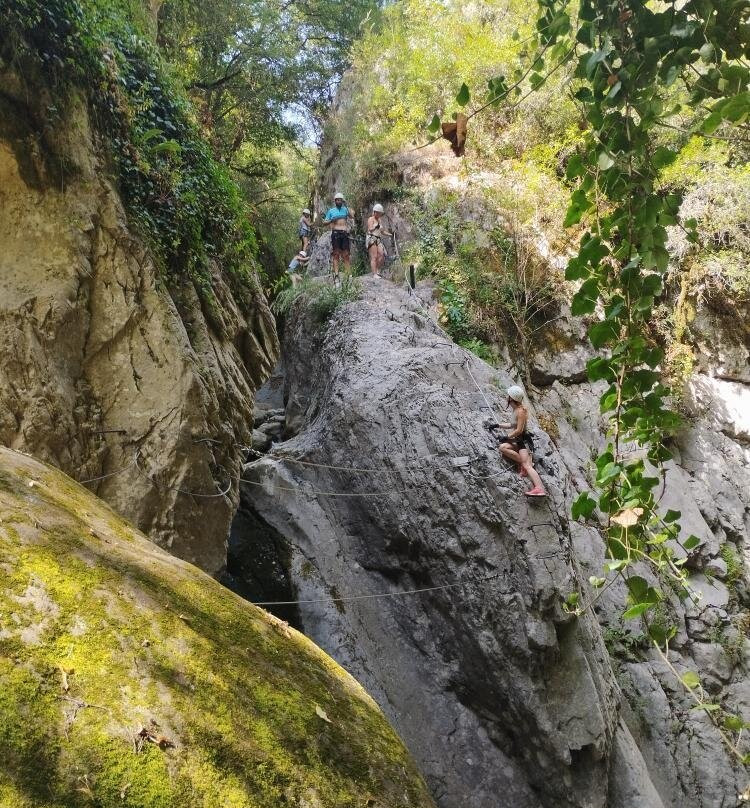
[494,688]
[102,358]
[130,679]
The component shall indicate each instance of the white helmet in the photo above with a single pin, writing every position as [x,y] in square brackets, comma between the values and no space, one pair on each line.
[377,208]
[338,195]
[516,393]
[303,253]
[306,211]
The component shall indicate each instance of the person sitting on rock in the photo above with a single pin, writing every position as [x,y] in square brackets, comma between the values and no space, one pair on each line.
[299,261]
[305,228]
[374,242]
[518,445]
[338,217]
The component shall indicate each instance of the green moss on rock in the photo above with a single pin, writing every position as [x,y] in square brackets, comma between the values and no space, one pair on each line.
[129,678]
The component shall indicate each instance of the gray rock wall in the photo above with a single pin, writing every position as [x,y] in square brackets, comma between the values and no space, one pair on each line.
[502,698]
[99,358]
[709,482]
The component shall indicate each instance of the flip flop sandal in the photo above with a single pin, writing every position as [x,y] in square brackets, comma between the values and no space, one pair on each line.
[534,493]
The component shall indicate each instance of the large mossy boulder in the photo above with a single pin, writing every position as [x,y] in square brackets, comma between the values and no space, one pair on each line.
[129,678]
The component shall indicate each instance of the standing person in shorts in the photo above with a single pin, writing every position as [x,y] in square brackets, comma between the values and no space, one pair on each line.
[374,240]
[339,217]
[305,228]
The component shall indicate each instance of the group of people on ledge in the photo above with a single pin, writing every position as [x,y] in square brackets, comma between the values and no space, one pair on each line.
[341,221]
[517,444]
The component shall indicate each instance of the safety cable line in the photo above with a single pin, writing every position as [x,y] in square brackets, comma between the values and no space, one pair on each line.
[347,598]
[476,384]
[353,597]
[316,465]
[107,476]
[318,493]
[164,486]
[410,462]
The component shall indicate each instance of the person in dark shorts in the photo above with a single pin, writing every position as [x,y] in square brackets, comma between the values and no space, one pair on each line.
[305,228]
[518,444]
[339,217]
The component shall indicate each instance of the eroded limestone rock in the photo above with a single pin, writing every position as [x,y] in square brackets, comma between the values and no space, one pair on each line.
[493,687]
[101,358]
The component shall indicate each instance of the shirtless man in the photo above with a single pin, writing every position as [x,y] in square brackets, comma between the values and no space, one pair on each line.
[339,217]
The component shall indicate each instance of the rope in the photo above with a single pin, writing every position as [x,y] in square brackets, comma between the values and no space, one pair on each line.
[355,597]
[166,487]
[318,493]
[378,595]
[107,476]
[476,384]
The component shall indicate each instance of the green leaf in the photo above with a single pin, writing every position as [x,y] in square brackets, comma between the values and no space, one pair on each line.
[672,516]
[707,706]
[609,472]
[584,300]
[576,270]
[707,52]
[579,204]
[733,723]
[462,99]
[536,81]
[660,633]
[594,60]
[605,161]
[574,167]
[638,587]
[603,332]
[663,157]
[691,542]
[168,147]
[637,610]
[434,125]
[596,582]
[599,368]
[690,679]
[583,506]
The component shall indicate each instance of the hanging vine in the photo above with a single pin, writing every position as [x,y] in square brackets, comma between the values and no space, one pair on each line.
[630,63]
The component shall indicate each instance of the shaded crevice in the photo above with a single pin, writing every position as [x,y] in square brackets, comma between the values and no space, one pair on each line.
[258,563]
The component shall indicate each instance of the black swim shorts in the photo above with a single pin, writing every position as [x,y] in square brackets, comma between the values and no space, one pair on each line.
[340,240]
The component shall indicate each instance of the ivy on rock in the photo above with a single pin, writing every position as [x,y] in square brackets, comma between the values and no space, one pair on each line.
[182,198]
[636,69]
[626,56]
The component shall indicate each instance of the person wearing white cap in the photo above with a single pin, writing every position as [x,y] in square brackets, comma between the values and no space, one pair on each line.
[518,445]
[374,241]
[299,261]
[305,228]
[338,217]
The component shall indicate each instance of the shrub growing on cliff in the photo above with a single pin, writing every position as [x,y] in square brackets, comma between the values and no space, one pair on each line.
[183,199]
[320,297]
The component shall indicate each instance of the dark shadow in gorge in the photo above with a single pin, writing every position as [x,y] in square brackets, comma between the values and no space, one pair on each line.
[258,563]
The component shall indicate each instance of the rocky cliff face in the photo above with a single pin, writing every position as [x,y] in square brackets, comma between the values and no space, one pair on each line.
[709,482]
[130,679]
[390,484]
[105,362]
